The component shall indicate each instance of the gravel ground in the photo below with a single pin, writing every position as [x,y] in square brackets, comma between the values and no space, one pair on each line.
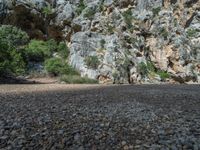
[78,117]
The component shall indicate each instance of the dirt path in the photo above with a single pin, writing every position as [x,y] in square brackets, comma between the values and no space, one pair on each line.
[56,116]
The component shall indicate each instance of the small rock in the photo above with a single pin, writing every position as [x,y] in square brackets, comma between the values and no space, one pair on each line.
[77,137]
[126,147]
[123,143]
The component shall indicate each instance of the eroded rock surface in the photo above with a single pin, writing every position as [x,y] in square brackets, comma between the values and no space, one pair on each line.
[59,116]
[124,35]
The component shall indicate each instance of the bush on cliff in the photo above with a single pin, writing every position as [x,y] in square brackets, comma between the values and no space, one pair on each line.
[13,35]
[57,66]
[11,61]
[75,79]
[12,41]
[92,62]
[38,50]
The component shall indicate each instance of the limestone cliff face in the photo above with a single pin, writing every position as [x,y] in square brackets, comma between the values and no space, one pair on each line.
[133,40]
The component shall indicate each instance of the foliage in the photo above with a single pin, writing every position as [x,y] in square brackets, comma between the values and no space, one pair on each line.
[163,74]
[51,44]
[102,42]
[38,50]
[156,11]
[16,53]
[150,66]
[48,10]
[92,62]
[128,17]
[63,50]
[80,7]
[175,23]
[164,33]
[13,35]
[11,53]
[90,12]
[75,79]
[192,32]
[42,51]
[11,61]
[101,6]
[110,28]
[56,66]
[142,69]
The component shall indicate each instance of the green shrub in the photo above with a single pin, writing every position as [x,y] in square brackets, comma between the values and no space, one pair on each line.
[11,41]
[38,50]
[48,10]
[63,50]
[110,29]
[164,33]
[92,62]
[142,69]
[156,11]
[102,43]
[69,70]
[175,22]
[128,17]
[54,66]
[80,7]
[11,61]
[192,32]
[101,6]
[90,12]
[13,35]
[75,79]
[150,66]
[35,50]
[57,66]
[163,75]
[52,45]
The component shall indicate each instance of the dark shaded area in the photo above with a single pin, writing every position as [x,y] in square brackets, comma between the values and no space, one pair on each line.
[30,21]
[189,3]
[14,80]
[189,21]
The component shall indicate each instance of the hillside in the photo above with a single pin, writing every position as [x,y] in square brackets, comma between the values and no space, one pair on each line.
[125,41]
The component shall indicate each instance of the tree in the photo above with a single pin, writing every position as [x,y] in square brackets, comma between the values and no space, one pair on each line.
[11,61]
[13,35]
[12,40]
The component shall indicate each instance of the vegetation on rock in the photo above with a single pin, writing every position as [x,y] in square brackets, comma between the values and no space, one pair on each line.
[128,17]
[12,41]
[80,7]
[11,61]
[92,62]
[16,52]
[148,68]
[13,35]
[75,79]
[57,66]
[141,40]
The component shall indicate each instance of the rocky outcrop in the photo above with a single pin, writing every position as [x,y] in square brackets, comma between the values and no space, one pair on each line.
[131,41]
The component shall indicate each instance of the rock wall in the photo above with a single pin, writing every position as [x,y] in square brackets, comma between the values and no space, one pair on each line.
[126,36]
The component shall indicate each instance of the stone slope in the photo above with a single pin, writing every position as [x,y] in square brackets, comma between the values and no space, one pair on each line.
[131,41]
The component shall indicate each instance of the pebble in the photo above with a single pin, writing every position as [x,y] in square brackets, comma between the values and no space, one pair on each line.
[123,143]
[35,120]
